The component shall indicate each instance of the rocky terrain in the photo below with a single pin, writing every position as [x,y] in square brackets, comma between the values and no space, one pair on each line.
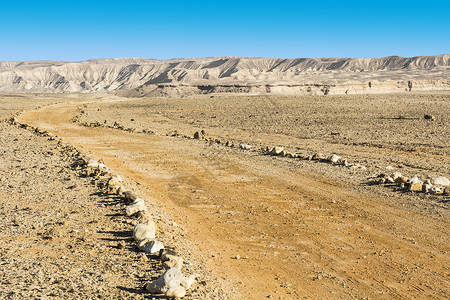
[182,77]
[64,237]
[370,131]
[278,197]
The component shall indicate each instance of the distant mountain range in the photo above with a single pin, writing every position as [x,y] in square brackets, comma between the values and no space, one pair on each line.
[185,76]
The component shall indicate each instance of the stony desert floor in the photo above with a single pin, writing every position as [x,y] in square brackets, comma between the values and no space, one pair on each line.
[249,225]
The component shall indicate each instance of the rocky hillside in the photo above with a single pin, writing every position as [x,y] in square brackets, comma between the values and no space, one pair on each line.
[139,76]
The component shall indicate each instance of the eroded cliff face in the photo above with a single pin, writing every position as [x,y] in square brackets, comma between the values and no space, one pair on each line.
[142,77]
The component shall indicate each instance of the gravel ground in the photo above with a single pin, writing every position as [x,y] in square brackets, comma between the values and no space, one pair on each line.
[61,238]
[302,228]
[375,131]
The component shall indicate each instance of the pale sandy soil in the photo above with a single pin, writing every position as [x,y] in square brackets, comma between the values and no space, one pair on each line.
[302,229]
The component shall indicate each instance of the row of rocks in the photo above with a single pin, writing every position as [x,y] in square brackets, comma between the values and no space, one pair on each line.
[116,125]
[434,185]
[333,159]
[411,184]
[279,151]
[172,283]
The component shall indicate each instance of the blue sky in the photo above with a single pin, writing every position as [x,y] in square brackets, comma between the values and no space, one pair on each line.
[79,30]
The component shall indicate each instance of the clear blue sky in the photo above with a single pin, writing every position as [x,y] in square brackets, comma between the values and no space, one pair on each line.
[79,30]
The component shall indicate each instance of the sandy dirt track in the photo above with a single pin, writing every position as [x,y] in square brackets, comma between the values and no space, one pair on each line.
[298,234]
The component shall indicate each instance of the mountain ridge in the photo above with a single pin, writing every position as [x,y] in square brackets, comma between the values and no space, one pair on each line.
[139,75]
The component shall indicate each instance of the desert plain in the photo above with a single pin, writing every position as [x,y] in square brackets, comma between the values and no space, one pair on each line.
[250,221]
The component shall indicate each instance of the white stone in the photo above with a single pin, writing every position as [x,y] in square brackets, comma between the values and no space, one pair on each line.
[435,190]
[426,187]
[168,281]
[414,180]
[92,164]
[276,150]
[442,181]
[396,175]
[245,146]
[389,168]
[150,246]
[389,180]
[144,231]
[334,158]
[135,207]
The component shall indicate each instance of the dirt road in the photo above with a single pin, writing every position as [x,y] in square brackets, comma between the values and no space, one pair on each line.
[296,234]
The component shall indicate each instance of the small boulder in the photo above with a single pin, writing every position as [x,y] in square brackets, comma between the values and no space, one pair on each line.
[396,175]
[150,246]
[426,187]
[170,259]
[129,197]
[389,180]
[401,180]
[413,180]
[318,156]
[245,146]
[435,190]
[334,159]
[429,117]
[415,185]
[170,282]
[135,207]
[199,135]
[144,231]
[276,150]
